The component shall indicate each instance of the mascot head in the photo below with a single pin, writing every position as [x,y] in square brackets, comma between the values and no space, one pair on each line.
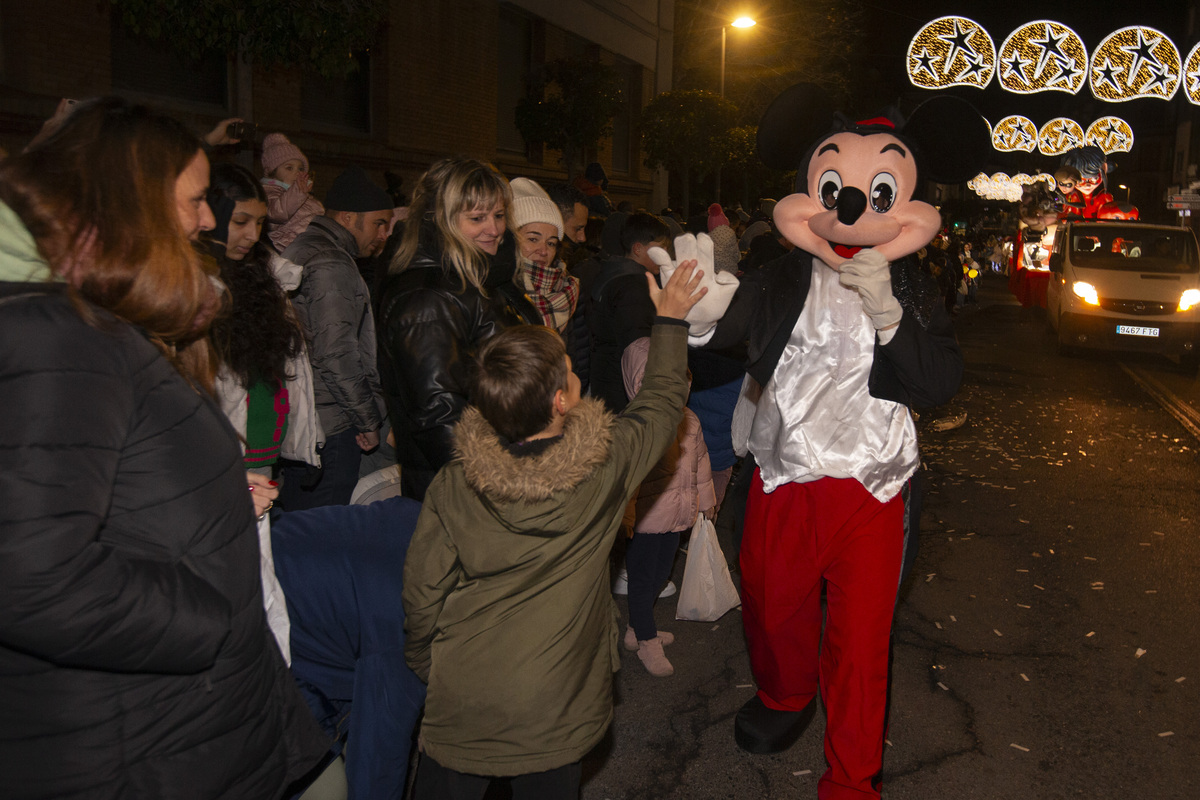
[856,181]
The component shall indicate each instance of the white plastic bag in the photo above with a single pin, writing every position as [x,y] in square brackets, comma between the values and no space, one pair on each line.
[707,591]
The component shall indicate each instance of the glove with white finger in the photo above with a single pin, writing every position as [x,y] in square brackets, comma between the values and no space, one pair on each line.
[703,317]
[869,273]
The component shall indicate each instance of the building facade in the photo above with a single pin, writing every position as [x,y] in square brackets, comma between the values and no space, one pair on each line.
[441,79]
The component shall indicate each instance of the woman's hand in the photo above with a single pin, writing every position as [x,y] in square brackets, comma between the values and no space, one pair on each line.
[263,492]
[682,291]
[219,135]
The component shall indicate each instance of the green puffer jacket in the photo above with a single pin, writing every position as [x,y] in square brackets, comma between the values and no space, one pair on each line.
[506,585]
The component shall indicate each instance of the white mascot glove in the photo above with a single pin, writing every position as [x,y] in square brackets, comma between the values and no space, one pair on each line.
[868,272]
[703,317]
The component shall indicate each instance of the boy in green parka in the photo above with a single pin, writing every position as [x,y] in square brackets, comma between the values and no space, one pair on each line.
[506,584]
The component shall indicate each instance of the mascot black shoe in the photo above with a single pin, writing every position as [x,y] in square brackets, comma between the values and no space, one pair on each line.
[761,730]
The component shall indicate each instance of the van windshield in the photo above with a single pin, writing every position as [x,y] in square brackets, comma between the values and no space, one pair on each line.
[1134,249]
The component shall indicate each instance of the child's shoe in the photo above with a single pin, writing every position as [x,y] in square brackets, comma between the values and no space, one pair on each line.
[631,640]
[655,660]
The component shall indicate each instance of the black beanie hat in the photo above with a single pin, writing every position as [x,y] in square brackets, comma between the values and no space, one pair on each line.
[354,191]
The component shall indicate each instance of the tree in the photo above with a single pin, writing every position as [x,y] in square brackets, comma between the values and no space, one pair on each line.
[570,108]
[686,132]
[318,34]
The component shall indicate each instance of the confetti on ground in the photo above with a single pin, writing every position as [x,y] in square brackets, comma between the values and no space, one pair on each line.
[930,577]
[714,627]
[1022,605]
[1167,733]
[1022,570]
[888,742]
[1144,544]
[1051,552]
[1158,533]
[953,618]
[1022,749]
[998,633]
[1023,520]
[1024,677]
[1180,680]
[1043,588]
[1091,634]
[1139,653]
[943,687]
[1152,591]
[1088,558]
[1037,555]
[939,625]
[800,772]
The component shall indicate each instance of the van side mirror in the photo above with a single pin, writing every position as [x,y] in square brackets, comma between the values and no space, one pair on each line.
[1056,261]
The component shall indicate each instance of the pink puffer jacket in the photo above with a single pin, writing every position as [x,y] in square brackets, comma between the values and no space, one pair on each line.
[680,485]
[288,212]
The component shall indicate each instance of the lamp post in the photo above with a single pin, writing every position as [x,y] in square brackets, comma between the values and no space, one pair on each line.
[1126,188]
[740,22]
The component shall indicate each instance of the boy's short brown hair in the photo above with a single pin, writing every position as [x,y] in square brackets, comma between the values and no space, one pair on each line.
[516,374]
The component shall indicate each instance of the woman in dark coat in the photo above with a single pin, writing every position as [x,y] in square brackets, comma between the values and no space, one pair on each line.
[135,658]
[435,309]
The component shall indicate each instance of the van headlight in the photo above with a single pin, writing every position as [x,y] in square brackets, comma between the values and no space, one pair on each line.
[1086,292]
[1190,298]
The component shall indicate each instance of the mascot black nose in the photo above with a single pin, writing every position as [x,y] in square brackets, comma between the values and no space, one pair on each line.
[851,203]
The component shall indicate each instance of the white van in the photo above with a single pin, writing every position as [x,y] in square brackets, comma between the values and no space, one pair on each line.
[1125,286]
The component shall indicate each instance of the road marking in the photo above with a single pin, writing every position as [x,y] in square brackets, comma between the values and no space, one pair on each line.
[1188,417]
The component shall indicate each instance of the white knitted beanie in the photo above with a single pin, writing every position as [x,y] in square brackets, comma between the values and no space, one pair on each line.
[530,203]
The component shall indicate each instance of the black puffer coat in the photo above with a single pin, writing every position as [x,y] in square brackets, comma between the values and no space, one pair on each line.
[429,328]
[135,658]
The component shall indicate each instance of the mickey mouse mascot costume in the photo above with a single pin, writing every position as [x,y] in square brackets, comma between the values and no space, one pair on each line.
[843,335]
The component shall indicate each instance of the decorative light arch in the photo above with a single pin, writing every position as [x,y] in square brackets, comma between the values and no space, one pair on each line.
[1135,62]
[951,51]
[1043,56]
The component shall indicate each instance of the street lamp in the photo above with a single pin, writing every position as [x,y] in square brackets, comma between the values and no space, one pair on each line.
[740,22]
[1126,188]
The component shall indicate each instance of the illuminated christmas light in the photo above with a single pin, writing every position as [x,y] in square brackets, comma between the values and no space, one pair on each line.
[951,51]
[1043,56]
[1135,62]
[1191,75]
[1015,133]
[1110,134]
[1059,135]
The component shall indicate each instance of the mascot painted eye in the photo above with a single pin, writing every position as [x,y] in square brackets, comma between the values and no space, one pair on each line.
[831,185]
[883,192]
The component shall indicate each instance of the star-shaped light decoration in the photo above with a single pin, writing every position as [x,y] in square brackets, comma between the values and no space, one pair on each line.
[1135,62]
[1110,134]
[1191,69]
[1013,133]
[1056,54]
[1059,135]
[951,51]
[924,61]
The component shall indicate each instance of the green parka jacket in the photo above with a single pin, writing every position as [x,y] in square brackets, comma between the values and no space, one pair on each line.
[506,584]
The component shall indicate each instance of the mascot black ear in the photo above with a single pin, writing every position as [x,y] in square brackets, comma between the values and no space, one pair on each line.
[954,140]
[790,125]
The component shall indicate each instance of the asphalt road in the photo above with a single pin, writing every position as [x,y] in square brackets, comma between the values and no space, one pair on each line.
[1047,639]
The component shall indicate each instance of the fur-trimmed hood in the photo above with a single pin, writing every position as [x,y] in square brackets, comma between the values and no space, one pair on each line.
[491,470]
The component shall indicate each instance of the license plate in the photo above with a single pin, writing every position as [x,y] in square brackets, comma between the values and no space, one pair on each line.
[1136,330]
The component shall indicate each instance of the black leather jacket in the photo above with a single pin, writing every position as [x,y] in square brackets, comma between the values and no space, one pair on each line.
[429,328]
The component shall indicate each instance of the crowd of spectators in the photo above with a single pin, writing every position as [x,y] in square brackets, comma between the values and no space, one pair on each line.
[192,355]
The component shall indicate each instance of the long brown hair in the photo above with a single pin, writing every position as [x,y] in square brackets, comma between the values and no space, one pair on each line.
[98,196]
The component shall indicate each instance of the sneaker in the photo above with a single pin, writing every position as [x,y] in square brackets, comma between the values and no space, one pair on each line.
[668,590]
[631,640]
[650,653]
[620,584]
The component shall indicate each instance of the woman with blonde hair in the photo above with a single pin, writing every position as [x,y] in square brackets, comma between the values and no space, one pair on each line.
[135,658]
[434,309]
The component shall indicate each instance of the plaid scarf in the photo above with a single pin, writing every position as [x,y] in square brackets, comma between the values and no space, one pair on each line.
[552,290]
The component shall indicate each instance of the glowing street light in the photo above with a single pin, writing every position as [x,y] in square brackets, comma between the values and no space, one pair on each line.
[1126,188]
[740,22]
